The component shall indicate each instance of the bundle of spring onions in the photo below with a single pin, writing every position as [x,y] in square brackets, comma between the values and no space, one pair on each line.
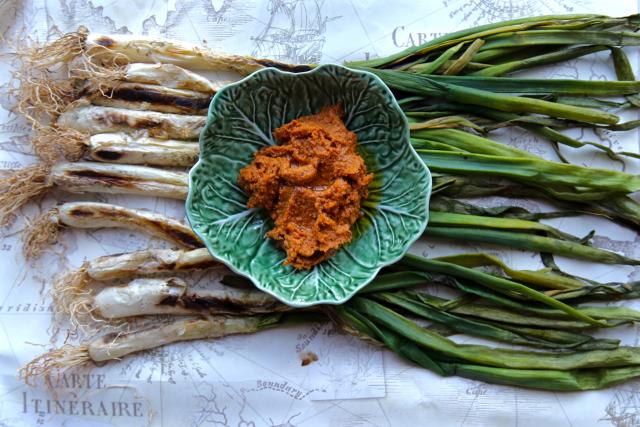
[111,112]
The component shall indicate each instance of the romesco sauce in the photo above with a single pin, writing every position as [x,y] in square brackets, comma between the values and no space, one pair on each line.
[312,183]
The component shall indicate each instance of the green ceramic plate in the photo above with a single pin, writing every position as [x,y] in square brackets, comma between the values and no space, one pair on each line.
[242,117]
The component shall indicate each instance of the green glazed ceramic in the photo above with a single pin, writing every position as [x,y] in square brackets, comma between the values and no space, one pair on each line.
[242,118]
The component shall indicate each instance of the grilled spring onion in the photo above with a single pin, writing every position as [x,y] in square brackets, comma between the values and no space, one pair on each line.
[549,338]
[515,28]
[115,346]
[142,96]
[71,293]
[546,378]
[45,229]
[591,356]
[87,177]
[621,209]
[147,296]
[123,148]
[113,305]
[126,149]
[92,119]
[515,359]
[526,86]
[505,316]
[56,144]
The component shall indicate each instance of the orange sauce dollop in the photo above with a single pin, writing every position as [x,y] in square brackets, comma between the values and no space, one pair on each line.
[312,184]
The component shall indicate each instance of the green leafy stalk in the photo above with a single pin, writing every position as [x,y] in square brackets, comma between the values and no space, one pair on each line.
[394,281]
[625,207]
[546,278]
[432,67]
[546,379]
[512,335]
[589,102]
[618,208]
[483,355]
[535,172]
[530,242]
[428,86]
[624,71]
[442,203]
[604,291]
[468,34]
[512,85]
[449,219]
[494,283]
[446,122]
[561,37]
[538,60]
[464,59]
[542,126]
[469,142]
[425,144]
[524,315]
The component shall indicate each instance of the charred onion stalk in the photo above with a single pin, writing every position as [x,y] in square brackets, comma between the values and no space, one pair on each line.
[93,119]
[119,147]
[148,296]
[73,295]
[44,230]
[115,346]
[115,304]
[141,96]
[50,76]
[567,371]
[87,177]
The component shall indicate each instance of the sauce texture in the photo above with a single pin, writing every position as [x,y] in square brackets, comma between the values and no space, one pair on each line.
[312,184]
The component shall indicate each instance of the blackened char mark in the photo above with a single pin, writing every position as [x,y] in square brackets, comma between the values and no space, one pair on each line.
[146,94]
[185,238]
[81,212]
[294,68]
[120,119]
[108,155]
[117,181]
[194,302]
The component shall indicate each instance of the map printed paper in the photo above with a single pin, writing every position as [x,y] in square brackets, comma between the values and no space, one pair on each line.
[259,380]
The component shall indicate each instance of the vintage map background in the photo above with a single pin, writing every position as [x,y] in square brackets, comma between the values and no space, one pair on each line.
[258,380]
